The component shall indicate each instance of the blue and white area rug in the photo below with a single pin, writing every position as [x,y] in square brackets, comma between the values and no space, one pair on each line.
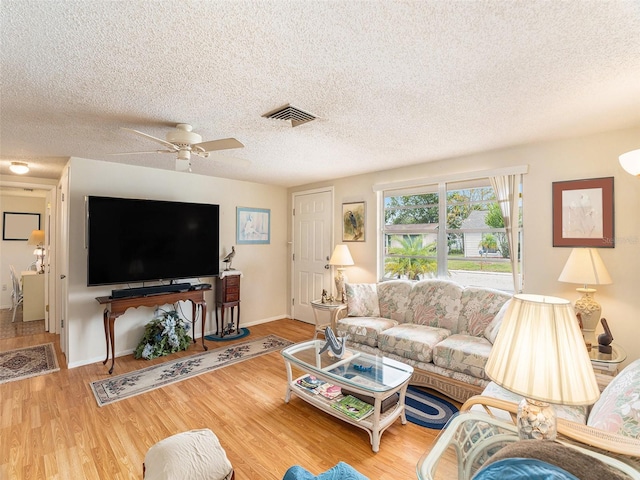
[127,385]
[427,410]
[238,334]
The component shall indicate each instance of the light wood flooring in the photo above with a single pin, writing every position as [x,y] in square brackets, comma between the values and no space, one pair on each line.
[52,428]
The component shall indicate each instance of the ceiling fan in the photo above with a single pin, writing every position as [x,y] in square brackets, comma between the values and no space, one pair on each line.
[183,142]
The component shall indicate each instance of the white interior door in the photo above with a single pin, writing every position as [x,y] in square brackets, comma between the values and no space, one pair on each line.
[312,234]
[62,260]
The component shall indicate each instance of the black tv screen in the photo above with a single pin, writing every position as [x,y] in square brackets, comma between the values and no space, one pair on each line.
[132,240]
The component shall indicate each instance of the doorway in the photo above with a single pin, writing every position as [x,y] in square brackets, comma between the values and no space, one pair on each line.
[312,242]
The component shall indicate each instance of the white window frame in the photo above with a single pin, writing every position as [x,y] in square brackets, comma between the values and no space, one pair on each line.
[420,185]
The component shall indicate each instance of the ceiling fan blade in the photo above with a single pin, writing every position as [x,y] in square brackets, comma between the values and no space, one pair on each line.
[222,144]
[151,137]
[138,153]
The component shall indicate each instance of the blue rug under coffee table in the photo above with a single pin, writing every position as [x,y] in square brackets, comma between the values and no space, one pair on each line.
[243,332]
[427,410]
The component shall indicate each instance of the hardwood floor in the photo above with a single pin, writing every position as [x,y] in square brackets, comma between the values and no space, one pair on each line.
[52,428]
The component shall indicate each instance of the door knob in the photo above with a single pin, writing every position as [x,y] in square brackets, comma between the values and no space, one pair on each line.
[62,277]
[327,267]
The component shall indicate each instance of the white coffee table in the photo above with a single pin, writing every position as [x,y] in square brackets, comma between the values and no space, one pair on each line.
[375,376]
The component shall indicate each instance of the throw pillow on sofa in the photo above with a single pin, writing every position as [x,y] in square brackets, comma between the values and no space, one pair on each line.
[618,408]
[491,332]
[362,300]
[342,471]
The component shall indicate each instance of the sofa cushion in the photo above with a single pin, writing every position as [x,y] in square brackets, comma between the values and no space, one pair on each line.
[364,330]
[362,300]
[479,308]
[409,340]
[491,332]
[578,463]
[435,303]
[463,353]
[393,296]
[618,408]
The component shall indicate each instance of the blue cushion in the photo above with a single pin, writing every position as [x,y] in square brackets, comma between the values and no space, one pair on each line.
[522,469]
[342,471]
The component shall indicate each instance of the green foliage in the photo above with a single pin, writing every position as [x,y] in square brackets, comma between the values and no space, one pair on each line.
[411,261]
[494,219]
[411,209]
[163,335]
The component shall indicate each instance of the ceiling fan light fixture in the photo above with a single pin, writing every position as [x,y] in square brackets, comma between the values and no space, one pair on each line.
[19,168]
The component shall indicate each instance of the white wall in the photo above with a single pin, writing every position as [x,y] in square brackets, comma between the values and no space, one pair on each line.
[570,159]
[15,252]
[264,267]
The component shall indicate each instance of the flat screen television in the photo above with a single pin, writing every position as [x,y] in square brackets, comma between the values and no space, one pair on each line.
[133,240]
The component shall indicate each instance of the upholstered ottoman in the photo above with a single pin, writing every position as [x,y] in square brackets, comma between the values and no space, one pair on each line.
[192,455]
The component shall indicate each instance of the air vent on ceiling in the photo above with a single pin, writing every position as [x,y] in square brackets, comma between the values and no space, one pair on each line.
[289,112]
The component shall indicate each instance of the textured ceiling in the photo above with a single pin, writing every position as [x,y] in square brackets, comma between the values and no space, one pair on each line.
[392,83]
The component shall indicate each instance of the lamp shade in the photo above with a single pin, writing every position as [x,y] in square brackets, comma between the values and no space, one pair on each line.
[36,237]
[341,256]
[539,353]
[630,161]
[585,266]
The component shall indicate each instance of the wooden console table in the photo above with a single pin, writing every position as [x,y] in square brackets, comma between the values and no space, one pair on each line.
[117,306]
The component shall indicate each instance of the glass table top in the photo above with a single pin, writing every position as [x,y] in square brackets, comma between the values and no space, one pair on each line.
[374,373]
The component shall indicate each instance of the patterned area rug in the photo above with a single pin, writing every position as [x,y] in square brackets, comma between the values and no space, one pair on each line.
[427,410]
[127,385]
[28,362]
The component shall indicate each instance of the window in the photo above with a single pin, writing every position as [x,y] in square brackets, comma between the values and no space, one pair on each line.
[449,230]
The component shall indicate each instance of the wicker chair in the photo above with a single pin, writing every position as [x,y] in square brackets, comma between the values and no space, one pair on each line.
[615,398]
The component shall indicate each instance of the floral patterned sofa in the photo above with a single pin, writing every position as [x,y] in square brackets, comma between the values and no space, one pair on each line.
[442,329]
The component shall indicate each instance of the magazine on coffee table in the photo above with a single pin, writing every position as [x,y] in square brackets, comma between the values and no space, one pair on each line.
[353,407]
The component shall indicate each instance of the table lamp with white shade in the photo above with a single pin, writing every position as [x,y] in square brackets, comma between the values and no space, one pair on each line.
[37,238]
[341,257]
[539,353]
[584,266]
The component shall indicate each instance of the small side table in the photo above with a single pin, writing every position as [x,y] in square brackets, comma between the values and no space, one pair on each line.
[333,308]
[606,365]
[228,296]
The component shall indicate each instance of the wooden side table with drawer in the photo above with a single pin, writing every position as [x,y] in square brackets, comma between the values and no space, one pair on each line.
[228,296]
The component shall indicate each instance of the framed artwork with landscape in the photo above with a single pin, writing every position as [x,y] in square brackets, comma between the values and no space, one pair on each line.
[253,226]
[353,222]
[583,213]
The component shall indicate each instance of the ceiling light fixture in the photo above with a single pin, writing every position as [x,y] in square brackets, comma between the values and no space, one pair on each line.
[19,168]
[630,161]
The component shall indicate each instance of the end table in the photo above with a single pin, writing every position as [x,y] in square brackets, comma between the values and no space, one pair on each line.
[332,308]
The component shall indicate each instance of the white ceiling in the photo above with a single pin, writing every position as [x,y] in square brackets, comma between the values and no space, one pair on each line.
[393,82]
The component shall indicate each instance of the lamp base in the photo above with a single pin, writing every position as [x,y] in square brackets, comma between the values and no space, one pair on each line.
[536,420]
[590,311]
[341,279]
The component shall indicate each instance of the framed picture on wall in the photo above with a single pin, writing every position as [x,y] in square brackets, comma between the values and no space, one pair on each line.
[353,222]
[253,226]
[583,213]
[18,226]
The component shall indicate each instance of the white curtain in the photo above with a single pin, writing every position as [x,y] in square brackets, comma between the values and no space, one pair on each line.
[506,189]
